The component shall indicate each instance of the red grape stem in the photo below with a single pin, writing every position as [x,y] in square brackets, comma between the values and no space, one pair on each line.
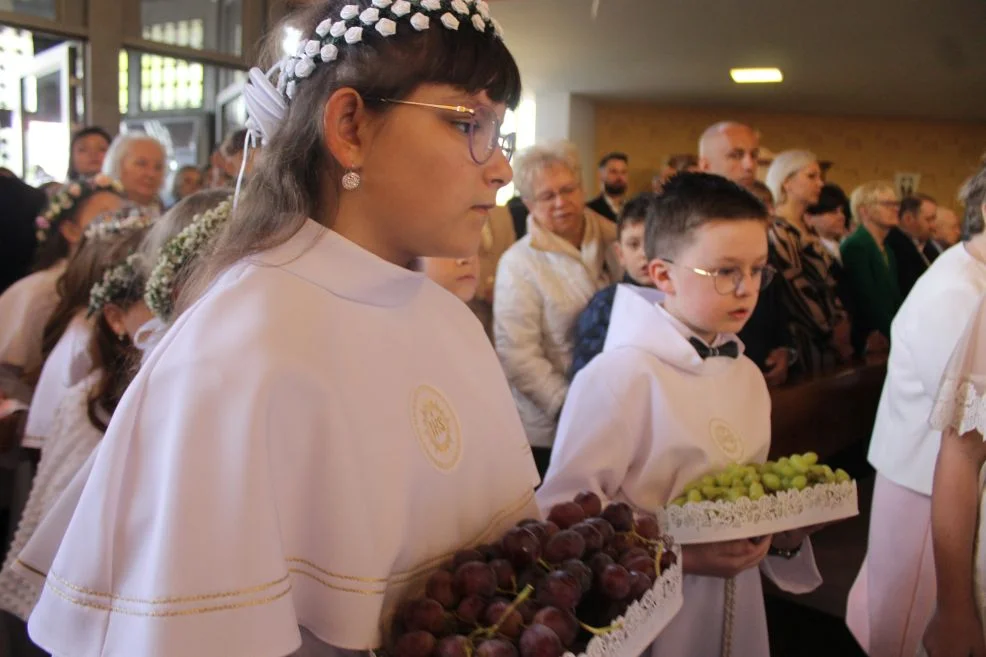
[544,564]
[641,539]
[600,631]
[491,631]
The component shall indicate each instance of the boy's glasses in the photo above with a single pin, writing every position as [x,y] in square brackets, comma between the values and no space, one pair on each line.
[484,129]
[728,279]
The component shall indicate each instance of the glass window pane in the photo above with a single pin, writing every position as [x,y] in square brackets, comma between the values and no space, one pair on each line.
[205,25]
[42,8]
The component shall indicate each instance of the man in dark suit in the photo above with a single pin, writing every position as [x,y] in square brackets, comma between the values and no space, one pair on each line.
[614,175]
[911,240]
[22,204]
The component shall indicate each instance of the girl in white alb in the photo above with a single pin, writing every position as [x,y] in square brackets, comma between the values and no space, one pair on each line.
[27,304]
[321,426]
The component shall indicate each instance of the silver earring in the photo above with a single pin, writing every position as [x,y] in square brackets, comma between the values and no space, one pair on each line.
[351,181]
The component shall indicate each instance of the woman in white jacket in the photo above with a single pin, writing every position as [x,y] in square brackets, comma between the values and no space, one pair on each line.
[544,281]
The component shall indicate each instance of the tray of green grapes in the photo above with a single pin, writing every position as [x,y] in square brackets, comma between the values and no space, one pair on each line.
[750,500]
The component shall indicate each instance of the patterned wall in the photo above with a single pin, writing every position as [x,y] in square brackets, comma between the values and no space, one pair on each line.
[944,153]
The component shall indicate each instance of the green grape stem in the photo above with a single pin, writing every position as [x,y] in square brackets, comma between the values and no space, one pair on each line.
[544,564]
[600,631]
[491,631]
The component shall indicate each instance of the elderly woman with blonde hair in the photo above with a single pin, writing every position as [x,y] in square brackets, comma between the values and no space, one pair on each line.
[819,324]
[138,161]
[544,281]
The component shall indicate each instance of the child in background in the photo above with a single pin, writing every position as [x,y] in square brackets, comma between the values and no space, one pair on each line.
[593,322]
[460,276]
[27,304]
[671,398]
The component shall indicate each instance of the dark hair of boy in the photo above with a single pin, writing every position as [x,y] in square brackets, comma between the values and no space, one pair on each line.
[635,211]
[682,162]
[691,200]
[912,204]
[613,156]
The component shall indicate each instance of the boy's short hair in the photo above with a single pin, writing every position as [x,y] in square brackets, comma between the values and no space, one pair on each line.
[912,204]
[635,211]
[691,200]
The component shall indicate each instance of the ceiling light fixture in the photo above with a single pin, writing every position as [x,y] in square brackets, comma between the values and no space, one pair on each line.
[756,75]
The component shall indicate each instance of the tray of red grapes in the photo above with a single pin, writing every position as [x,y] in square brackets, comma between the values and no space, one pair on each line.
[747,501]
[587,580]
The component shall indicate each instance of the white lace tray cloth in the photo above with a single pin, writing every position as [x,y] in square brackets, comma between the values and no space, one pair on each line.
[644,619]
[711,522]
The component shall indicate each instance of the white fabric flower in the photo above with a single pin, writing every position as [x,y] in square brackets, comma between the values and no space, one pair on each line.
[288,69]
[450,21]
[349,12]
[483,9]
[329,53]
[497,27]
[300,51]
[420,22]
[370,16]
[383,4]
[338,29]
[324,27]
[401,8]
[460,7]
[290,89]
[312,48]
[431,5]
[478,23]
[386,27]
[354,35]
[304,68]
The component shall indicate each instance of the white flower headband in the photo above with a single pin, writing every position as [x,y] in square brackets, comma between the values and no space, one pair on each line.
[177,253]
[68,197]
[267,105]
[116,282]
[125,220]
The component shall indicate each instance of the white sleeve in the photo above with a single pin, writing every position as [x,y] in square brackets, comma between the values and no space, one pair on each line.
[593,448]
[518,313]
[797,575]
[947,322]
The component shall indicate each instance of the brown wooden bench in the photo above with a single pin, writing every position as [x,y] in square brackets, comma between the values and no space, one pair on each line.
[827,413]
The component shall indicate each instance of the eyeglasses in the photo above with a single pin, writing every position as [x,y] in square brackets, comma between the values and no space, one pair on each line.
[550,196]
[892,205]
[728,279]
[483,129]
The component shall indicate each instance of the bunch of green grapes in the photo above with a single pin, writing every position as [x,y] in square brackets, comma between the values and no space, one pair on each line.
[754,481]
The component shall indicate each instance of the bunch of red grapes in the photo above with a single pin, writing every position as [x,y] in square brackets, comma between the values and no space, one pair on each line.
[546,588]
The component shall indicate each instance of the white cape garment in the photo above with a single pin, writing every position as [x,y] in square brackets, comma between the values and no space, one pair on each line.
[303,447]
[646,417]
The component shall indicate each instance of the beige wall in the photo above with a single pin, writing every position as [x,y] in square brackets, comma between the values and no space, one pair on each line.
[944,153]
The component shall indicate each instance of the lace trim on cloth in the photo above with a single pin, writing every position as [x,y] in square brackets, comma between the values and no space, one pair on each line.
[706,522]
[960,406]
[644,619]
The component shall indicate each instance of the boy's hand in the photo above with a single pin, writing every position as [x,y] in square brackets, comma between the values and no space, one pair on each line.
[726,559]
[955,635]
[777,363]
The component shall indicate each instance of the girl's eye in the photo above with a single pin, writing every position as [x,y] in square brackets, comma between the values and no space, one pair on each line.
[463,126]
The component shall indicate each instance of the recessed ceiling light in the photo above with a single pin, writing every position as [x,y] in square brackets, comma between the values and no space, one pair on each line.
[756,75]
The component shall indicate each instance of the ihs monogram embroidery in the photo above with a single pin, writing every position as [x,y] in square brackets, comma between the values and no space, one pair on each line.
[726,440]
[437,427]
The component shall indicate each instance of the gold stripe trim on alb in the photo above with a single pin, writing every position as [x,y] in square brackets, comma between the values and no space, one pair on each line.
[163,613]
[169,600]
[30,568]
[336,587]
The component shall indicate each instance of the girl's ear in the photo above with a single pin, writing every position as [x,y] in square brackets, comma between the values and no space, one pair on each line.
[345,123]
[115,317]
[660,273]
[70,231]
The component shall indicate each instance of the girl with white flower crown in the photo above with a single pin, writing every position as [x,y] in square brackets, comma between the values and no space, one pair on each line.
[115,278]
[26,306]
[322,425]
[65,342]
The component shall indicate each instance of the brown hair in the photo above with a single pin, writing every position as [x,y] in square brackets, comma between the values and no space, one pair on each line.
[117,361]
[973,197]
[295,168]
[85,269]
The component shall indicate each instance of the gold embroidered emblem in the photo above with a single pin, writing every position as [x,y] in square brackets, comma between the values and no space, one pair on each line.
[726,440]
[436,427]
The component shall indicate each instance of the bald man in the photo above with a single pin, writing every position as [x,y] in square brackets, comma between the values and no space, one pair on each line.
[947,231]
[731,150]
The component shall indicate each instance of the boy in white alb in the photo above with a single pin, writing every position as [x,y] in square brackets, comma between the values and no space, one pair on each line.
[672,398]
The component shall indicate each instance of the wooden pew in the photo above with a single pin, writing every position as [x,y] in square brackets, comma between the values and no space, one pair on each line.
[827,413]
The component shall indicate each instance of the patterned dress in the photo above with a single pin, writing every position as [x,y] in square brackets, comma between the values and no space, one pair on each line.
[809,291]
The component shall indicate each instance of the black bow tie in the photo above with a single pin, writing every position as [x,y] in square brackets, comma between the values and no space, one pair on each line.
[727,350]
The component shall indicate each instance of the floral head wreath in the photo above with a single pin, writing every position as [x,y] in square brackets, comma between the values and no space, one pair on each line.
[267,104]
[177,253]
[117,282]
[115,223]
[68,197]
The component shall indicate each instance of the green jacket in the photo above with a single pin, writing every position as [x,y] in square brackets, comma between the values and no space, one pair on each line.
[870,276]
